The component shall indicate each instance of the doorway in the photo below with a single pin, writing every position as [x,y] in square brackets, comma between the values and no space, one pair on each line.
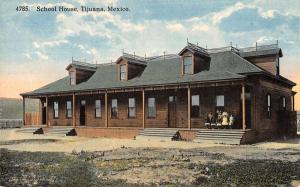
[44,114]
[172,111]
[82,112]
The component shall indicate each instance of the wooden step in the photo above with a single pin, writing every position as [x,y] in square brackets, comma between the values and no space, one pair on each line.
[31,130]
[163,133]
[65,131]
[225,136]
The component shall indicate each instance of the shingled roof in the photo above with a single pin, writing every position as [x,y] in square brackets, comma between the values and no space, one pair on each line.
[195,49]
[223,66]
[133,59]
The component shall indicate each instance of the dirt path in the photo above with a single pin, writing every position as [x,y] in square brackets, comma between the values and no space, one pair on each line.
[45,160]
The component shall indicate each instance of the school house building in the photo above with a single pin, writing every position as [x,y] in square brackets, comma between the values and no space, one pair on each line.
[196,94]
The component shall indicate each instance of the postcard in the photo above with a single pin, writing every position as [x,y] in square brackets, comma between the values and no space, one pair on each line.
[149,93]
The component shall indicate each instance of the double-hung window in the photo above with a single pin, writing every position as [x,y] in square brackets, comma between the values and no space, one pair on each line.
[195,106]
[269,105]
[114,108]
[187,65]
[97,108]
[123,73]
[69,109]
[72,77]
[131,107]
[151,107]
[283,103]
[55,109]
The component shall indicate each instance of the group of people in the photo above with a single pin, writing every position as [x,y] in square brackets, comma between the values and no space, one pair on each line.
[221,120]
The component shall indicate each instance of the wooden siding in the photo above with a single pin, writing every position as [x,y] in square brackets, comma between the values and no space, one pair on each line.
[266,63]
[264,126]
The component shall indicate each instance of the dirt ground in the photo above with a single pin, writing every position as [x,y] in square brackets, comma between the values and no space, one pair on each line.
[43,160]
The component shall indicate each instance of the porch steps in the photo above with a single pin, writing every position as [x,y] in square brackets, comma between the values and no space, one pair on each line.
[63,131]
[222,136]
[157,133]
[31,130]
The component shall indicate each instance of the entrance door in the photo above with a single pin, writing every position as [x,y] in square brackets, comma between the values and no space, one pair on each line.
[172,112]
[82,112]
[44,115]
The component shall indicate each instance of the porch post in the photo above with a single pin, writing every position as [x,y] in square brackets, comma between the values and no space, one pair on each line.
[143,93]
[24,111]
[106,110]
[244,106]
[73,111]
[47,111]
[189,107]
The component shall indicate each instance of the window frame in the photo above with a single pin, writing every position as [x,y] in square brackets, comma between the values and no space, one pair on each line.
[123,72]
[98,108]
[269,105]
[148,107]
[72,75]
[193,106]
[111,109]
[54,109]
[69,110]
[134,107]
[283,102]
[184,65]
[220,96]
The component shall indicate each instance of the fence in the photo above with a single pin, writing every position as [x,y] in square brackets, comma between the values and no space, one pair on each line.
[11,123]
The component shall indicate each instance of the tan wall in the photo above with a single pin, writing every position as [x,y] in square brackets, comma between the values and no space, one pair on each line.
[266,63]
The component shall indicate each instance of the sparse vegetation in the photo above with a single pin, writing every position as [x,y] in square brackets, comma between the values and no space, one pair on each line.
[117,167]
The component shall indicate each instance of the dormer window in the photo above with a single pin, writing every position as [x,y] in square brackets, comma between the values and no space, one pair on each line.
[123,72]
[187,65]
[72,77]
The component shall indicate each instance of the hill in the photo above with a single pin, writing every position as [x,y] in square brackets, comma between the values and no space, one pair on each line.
[11,108]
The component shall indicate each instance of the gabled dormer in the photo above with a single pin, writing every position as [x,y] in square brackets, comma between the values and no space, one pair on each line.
[266,57]
[80,71]
[194,59]
[130,66]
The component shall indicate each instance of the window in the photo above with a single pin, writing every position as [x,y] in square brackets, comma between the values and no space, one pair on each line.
[269,105]
[72,77]
[97,108]
[195,106]
[151,107]
[171,99]
[123,72]
[69,109]
[55,109]
[283,103]
[114,108]
[131,107]
[187,65]
[220,101]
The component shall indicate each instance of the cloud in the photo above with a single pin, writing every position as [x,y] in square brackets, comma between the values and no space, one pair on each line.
[177,27]
[27,55]
[217,17]
[200,27]
[42,56]
[49,43]
[268,14]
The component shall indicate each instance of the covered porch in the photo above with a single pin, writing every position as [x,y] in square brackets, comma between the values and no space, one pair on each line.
[186,106]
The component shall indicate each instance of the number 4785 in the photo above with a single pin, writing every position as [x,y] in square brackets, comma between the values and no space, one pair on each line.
[22,8]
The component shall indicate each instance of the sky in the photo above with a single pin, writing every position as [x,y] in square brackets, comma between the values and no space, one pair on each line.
[36,47]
